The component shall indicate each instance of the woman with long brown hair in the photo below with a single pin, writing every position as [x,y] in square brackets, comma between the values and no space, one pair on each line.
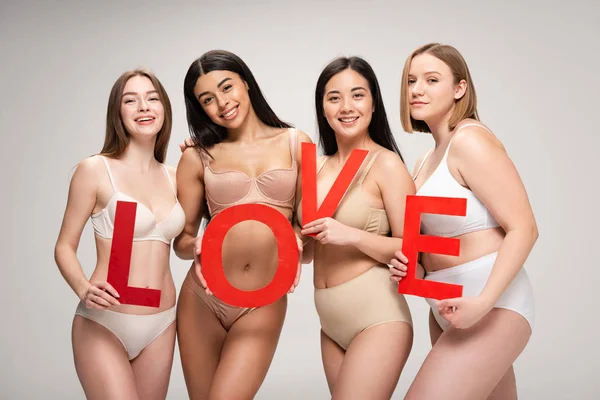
[125,351]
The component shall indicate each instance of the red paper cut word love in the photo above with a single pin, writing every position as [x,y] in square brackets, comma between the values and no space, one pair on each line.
[413,242]
[212,242]
[120,260]
[212,256]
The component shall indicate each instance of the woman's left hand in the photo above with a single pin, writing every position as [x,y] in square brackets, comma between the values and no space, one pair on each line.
[187,142]
[330,231]
[463,312]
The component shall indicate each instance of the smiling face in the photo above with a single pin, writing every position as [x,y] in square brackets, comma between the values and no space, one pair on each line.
[348,103]
[224,98]
[142,111]
[432,90]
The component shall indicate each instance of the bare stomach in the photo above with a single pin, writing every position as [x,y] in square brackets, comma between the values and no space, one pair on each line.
[334,265]
[472,246]
[250,255]
[149,269]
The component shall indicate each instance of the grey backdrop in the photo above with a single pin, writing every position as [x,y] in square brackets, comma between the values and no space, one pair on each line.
[535,66]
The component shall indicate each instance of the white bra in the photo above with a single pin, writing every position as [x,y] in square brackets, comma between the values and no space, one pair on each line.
[441,183]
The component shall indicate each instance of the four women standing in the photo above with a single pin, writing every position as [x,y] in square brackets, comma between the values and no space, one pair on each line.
[242,153]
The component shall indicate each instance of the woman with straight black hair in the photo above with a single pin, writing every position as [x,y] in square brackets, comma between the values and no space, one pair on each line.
[366,326]
[242,153]
[378,129]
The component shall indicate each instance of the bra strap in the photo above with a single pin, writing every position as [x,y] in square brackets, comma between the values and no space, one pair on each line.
[422,163]
[205,158]
[322,163]
[367,168]
[464,126]
[112,182]
[170,180]
[293,143]
[478,125]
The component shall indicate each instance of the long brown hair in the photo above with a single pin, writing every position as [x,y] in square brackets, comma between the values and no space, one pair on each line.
[465,107]
[116,139]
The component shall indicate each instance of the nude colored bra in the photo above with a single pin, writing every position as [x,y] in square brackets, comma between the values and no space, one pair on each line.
[146,226]
[354,209]
[276,187]
[441,183]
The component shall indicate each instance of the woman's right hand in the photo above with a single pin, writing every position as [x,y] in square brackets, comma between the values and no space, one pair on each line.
[100,295]
[198,264]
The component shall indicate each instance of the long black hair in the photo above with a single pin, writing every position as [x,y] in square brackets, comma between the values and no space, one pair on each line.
[379,128]
[203,130]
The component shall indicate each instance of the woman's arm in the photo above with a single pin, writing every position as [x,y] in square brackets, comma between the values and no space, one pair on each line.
[488,171]
[80,204]
[190,193]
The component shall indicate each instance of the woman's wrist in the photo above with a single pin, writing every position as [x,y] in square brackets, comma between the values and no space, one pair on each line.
[82,288]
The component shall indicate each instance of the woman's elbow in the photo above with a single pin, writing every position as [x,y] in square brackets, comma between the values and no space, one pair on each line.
[307,259]
[60,250]
[57,253]
[308,252]
[178,249]
[535,233]
[528,231]
[178,246]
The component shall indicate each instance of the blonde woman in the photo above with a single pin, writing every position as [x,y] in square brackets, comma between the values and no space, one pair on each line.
[476,338]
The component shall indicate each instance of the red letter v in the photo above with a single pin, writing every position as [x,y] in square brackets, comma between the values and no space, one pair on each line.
[309,183]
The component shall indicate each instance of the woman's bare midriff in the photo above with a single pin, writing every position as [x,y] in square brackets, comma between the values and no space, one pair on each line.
[334,265]
[250,254]
[149,268]
[472,246]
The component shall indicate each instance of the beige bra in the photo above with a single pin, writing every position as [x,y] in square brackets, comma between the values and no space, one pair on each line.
[276,187]
[354,209]
[146,226]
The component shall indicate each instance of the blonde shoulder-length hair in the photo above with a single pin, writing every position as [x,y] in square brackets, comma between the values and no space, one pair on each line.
[465,107]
